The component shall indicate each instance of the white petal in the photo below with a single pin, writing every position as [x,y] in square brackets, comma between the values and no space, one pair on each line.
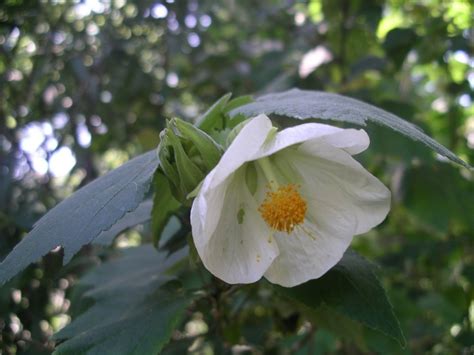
[351,140]
[252,144]
[343,200]
[246,145]
[330,179]
[234,251]
[206,210]
[339,189]
[295,135]
[307,253]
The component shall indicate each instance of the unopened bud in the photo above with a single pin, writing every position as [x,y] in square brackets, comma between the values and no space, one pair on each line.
[187,155]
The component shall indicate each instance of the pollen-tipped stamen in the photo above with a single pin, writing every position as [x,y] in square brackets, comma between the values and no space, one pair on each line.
[284,208]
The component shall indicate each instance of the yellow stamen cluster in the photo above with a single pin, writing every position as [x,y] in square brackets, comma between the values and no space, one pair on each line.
[284,208]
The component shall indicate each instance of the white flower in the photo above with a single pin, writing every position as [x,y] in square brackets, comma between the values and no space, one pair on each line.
[285,205]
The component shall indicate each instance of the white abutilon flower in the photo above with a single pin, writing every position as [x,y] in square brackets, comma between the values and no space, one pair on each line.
[285,205]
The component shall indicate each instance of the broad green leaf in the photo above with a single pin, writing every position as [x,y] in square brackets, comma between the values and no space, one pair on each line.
[338,324]
[174,236]
[352,289]
[178,347]
[138,216]
[79,219]
[445,206]
[164,205]
[320,342]
[133,311]
[302,104]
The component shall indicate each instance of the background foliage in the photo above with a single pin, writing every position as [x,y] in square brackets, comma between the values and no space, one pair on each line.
[87,85]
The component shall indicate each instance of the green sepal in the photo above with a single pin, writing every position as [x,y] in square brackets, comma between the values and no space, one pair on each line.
[194,258]
[214,117]
[189,173]
[195,192]
[164,206]
[237,102]
[188,155]
[235,131]
[166,155]
[208,149]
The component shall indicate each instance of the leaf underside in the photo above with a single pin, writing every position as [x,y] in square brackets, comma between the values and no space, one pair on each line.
[352,289]
[79,219]
[132,313]
[304,104]
[138,216]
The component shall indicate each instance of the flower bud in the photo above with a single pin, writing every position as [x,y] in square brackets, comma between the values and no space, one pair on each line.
[186,154]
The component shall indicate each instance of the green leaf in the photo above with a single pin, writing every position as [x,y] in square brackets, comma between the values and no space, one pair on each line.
[138,216]
[320,342]
[443,205]
[134,311]
[189,174]
[213,118]
[352,289]
[303,104]
[178,347]
[237,102]
[164,206]
[398,43]
[174,236]
[209,151]
[338,324]
[83,216]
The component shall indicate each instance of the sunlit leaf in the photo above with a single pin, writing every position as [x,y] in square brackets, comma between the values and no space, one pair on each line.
[443,206]
[79,219]
[303,104]
[138,216]
[352,289]
[132,313]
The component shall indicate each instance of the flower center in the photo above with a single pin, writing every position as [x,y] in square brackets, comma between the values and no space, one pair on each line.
[284,208]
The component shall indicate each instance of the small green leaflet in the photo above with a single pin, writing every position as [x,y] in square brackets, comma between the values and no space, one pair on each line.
[352,289]
[303,104]
[134,310]
[79,219]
